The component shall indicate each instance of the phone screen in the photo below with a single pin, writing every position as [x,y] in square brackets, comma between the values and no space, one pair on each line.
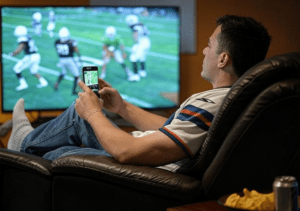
[90,78]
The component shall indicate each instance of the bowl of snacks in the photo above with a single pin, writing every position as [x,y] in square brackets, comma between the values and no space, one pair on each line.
[248,200]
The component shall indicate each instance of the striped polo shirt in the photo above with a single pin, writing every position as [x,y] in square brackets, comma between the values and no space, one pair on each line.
[189,125]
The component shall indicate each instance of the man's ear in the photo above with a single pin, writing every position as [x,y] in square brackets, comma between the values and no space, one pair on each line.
[224,60]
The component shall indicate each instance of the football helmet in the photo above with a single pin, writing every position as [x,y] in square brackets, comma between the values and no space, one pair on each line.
[37,16]
[131,20]
[64,34]
[51,13]
[20,31]
[110,32]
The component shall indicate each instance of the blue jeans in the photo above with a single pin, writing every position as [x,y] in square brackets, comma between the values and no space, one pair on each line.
[63,136]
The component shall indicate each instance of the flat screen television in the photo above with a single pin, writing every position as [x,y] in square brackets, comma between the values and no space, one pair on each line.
[87,26]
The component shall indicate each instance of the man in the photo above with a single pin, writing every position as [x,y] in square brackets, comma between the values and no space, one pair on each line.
[141,47]
[51,23]
[65,48]
[31,59]
[36,23]
[160,142]
[113,47]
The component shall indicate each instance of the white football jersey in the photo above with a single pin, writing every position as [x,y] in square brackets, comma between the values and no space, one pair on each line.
[141,29]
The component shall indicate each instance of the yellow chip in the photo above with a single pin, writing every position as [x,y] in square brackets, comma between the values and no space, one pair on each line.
[251,200]
[232,200]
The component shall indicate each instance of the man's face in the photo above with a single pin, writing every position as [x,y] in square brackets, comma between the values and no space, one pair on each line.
[210,62]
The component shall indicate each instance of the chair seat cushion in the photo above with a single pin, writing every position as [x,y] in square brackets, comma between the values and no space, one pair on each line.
[142,178]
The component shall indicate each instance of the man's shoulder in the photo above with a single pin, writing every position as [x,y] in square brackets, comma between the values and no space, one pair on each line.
[23,39]
[212,93]
[71,41]
[117,38]
[207,99]
[64,41]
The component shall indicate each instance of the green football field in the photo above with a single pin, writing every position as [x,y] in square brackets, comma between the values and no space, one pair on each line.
[87,26]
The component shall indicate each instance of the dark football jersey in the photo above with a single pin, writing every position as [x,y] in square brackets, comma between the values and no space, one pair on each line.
[65,49]
[30,46]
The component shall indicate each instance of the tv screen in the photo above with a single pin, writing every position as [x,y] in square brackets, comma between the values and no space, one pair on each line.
[136,49]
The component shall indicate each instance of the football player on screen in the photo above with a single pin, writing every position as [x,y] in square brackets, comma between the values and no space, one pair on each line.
[113,47]
[65,48]
[141,47]
[31,59]
[36,23]
[51,23]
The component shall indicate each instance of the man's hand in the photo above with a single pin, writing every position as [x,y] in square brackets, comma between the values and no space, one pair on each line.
[112,100]
[87,103]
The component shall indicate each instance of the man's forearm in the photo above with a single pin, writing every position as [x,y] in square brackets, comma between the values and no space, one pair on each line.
[153,149]
[141,119]
[114,140]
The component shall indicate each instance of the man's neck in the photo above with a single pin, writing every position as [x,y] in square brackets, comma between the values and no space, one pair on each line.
[224,80]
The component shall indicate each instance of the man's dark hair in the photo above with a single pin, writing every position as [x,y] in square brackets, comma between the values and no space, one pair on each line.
[244,39]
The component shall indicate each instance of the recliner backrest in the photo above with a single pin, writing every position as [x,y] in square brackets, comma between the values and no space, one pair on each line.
[243,92]
[262,144]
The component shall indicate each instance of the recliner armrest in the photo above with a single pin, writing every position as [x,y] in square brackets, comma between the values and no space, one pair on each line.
[26,162]
[142,178]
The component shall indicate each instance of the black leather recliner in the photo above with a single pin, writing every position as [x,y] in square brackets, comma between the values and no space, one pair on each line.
[254,137]
[26,182]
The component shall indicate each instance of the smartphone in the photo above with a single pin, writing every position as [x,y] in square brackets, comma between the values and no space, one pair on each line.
[90,78]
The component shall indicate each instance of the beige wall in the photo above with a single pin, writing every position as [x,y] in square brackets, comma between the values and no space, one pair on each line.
[282,18]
